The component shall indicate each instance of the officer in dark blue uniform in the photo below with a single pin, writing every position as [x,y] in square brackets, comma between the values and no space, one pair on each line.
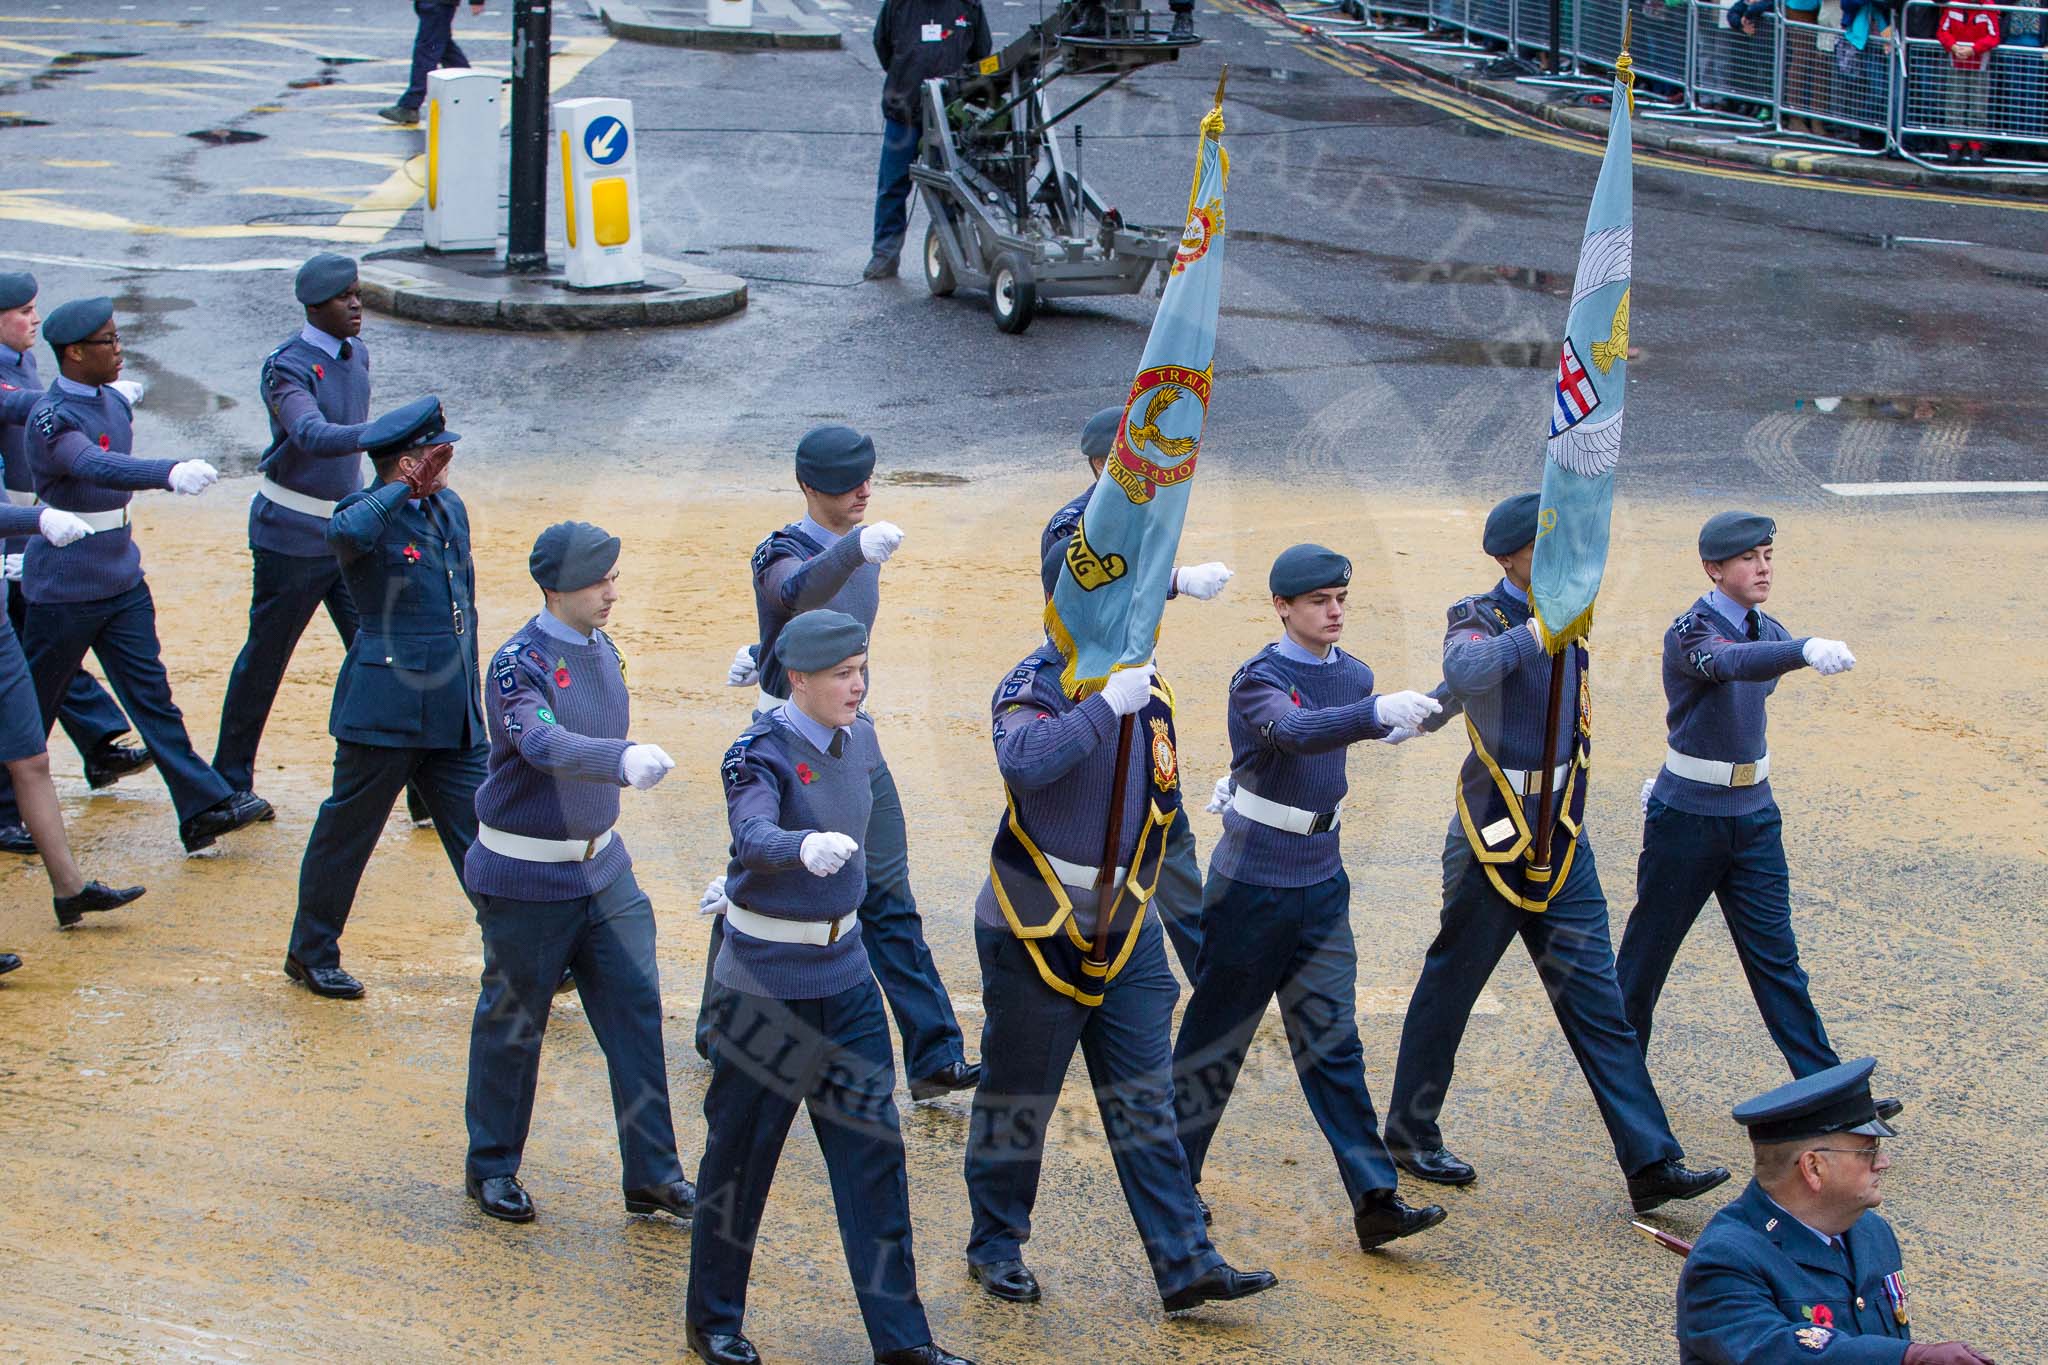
[406,705]
[91,595]
[1179,898]
[1497,672]
[316,390]
[1711,825]
[1801,1266]
[93,720]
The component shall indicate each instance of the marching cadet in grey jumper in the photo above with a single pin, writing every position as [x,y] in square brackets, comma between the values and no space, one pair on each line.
[1711,825]
[554,886]
[799,1021]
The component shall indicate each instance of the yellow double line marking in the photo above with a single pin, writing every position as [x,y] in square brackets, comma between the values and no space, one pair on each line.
[1465,107]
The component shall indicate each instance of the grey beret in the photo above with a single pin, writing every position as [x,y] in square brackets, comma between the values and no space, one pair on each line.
[69,323]
[819,639]
[834,459]
[571,555]
[1098,437]
[1304,568]
[1728,534]
[1511,524]
[324,277]
[16,288]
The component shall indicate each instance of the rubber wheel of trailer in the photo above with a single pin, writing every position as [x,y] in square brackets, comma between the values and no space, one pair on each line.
[938,276]
[1012,297]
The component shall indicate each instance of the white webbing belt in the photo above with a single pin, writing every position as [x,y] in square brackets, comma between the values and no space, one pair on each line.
[1074,874]
[104,521]
[531,850]
[296,501]
[763,703]
[1531,783]
[816,932]
[1293,819]
[22,497]
[1715,773]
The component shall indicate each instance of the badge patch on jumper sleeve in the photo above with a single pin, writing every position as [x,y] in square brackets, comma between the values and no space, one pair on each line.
[545,716]
[1813,1338]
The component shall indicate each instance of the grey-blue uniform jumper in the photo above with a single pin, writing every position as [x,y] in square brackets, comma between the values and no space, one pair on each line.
[406,706]
[316,390]
[1276,919]
[21,728]
[89,716]
[1498,674]
[1700,839]
[1750,1288]
[801,1024]
[801,568]
[1057,759]
[1178,901]
[558,714]
[90,594]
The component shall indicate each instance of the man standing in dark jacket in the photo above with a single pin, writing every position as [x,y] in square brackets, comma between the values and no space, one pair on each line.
[915,40]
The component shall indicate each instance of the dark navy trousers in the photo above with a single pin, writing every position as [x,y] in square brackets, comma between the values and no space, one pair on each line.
[1571,949]
[120,631]
[1294,942]
[367,780]
[831,1057]
[608,939]
[285,592]
[433,47]
[1740,861]
[1178,898]
[894,934]
[892,185]
[89,716]
[1027,1041]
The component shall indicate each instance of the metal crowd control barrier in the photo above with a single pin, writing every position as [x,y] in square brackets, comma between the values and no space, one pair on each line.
[1730,65]
[2003,99]
[1827,79]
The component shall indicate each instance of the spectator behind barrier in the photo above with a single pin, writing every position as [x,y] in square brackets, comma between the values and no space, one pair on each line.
[1969,35]
[2020,76]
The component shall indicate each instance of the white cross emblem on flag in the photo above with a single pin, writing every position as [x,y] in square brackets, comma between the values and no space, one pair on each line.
[1575,395]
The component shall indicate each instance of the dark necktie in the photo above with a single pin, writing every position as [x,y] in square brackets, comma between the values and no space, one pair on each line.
[838,744]
[344,352]
[1750,620]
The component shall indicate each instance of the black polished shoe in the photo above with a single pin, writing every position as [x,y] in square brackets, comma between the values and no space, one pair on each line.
[928,1354]
[332,982]
[678,1197]
[1382,1217]
[223,817]
[720,1348]
[1434,1164]
[951,1076]
[501,1196]
[112,760]
[1183,26]
[1671,1179]
[1010,1281]
[1219,1286]
[880,266]
[94,897]
[16,839]
[9,962]
[269,811]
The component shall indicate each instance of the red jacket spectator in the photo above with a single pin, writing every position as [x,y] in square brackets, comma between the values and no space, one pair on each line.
[1976,29]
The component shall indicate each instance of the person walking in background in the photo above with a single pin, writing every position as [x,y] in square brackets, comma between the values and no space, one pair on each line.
[433,48]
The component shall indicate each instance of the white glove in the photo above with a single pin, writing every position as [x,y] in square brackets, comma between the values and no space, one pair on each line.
[10,568]
[1405,710]
[60,527]
[1128,689]
[644,765]
[193,477]
[1828,657]
[1648,783]
[713,901]
[744,671]
[879,541]
[1201,581]
[1400,734]
[128,389]
[1219,800]
[824,853]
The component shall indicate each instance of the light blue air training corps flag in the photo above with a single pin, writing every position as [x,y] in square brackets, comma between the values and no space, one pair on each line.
[1585,417]
[1105,607]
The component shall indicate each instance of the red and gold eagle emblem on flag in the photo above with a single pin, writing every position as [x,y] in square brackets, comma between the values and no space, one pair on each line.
[1205,222]
[1161,386]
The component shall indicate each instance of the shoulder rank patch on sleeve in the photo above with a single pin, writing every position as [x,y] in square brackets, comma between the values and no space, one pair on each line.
[1019,682]
[732,769]
[1685,622]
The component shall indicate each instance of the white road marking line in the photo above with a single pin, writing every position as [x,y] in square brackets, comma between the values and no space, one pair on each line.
[1896,490]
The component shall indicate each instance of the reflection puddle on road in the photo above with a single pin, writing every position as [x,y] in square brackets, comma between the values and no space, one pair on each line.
[1416,270]
[1527,355]
[1915,407]
[313,82]
[81,58]
[767,249]
[172,395]
[224,137]
[22,121]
